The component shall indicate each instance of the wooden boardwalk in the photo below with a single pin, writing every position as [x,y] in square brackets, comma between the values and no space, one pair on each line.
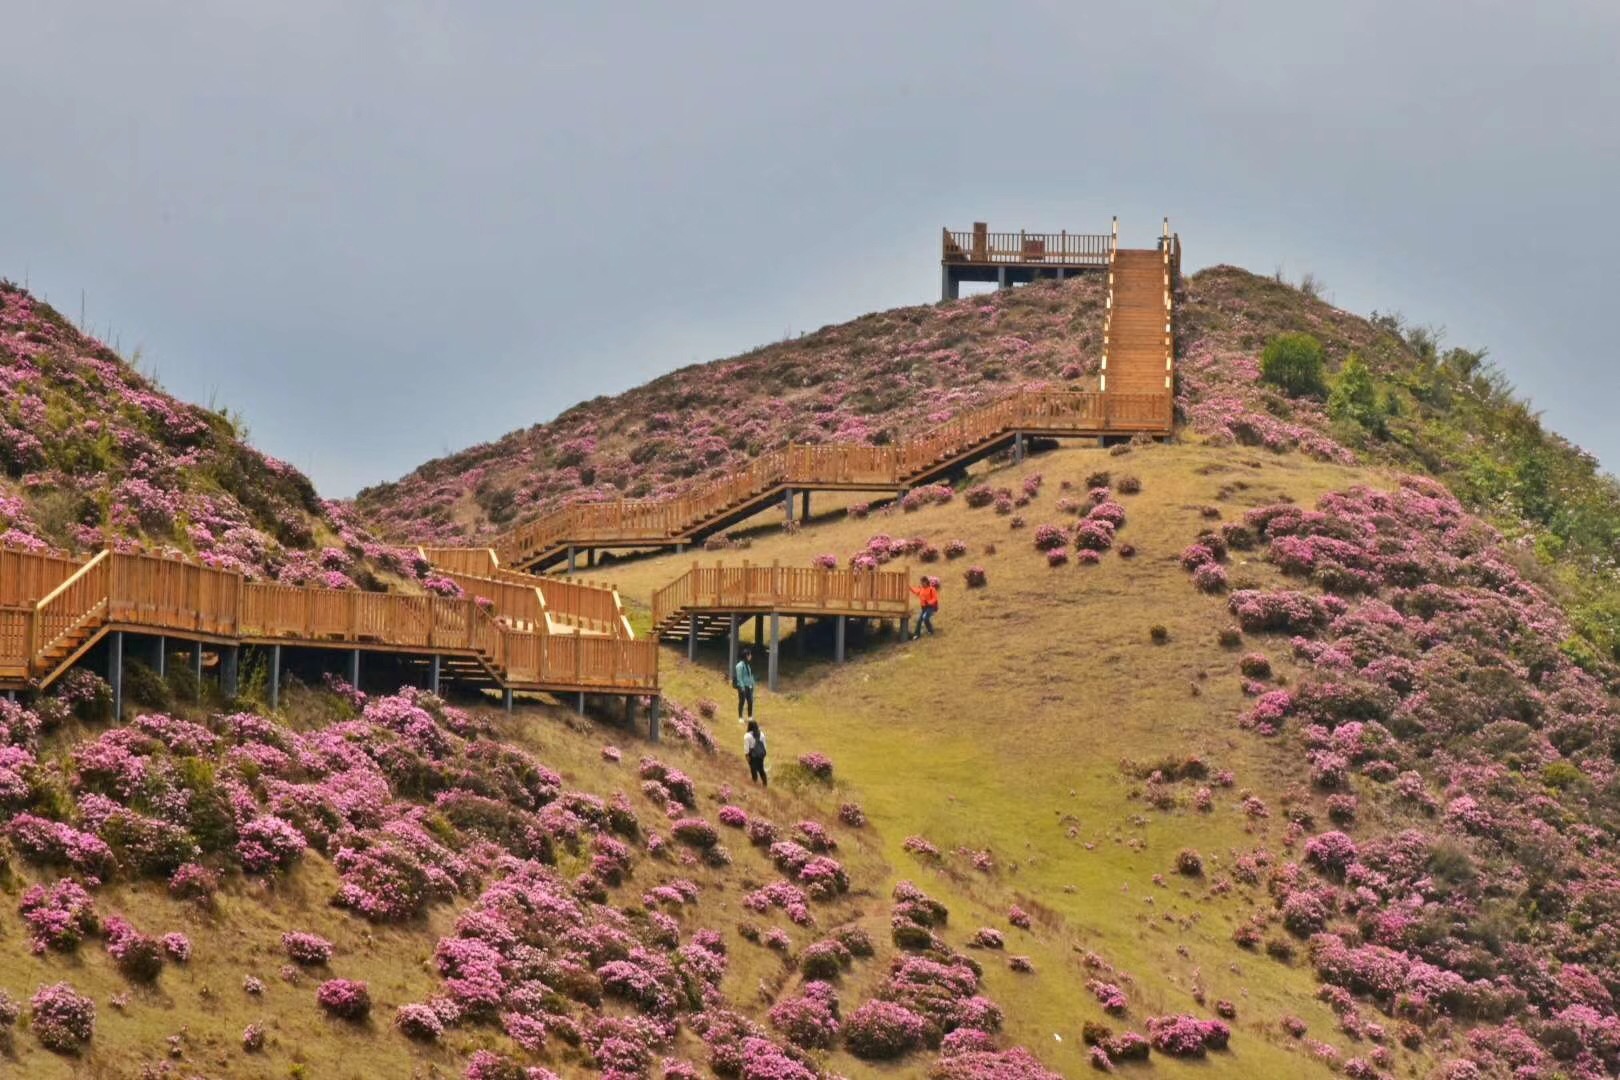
[1136,396]
[54,611]
[711,601]
[775,478]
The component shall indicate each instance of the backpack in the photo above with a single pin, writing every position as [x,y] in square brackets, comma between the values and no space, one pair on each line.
[758,750]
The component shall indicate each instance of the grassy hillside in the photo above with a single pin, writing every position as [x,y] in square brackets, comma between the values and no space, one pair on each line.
[1046,729]
[92,454]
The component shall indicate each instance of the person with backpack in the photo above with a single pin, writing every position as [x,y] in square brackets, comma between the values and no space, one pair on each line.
[754,750]
[928,597]
[742,678]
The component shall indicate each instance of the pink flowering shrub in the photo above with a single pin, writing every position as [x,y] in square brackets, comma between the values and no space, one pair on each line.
[817,765]
[1186,1036]
[1057,556]
[306,949]
[344,998]
[882,1031]
[177,947]
[1109,996]
[809,1020]
[58,917]
[61,1018]
[138,956]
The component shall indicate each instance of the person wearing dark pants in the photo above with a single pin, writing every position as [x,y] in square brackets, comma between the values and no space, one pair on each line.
[743,679]
[928,596]
[754,750]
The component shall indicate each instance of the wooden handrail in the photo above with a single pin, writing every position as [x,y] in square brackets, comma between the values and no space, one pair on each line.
[159,595]
[793,589]
[658,521]
[1047,249]
[26,576]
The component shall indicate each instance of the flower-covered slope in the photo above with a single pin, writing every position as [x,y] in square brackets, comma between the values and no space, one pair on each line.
[863,381]
[94,454]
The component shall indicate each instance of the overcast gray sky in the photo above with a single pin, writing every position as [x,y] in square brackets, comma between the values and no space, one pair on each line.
[386,230]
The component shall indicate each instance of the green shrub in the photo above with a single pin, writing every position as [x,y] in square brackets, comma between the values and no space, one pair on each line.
[144,687]
[1293,364]
[1355,397]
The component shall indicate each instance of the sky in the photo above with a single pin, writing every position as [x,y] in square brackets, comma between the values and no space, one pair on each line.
[384,230]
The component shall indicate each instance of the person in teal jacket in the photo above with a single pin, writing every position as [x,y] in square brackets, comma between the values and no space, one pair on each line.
[743,679]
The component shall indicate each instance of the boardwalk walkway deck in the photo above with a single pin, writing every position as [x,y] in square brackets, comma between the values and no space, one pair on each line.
[1136,396]
[53,611]
[710,601]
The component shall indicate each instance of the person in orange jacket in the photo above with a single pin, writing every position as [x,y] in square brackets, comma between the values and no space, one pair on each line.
[928,596]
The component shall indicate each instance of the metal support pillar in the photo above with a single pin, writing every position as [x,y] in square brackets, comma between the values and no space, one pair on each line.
[581,708]
[590,558]
[571,551]
[229,664]
[654,724]
[433,676]
[275,676]
[838,638]
[804,505]
[798,636]
[776,649]
[759,629]
[196,667]
[787,505]
[162,665]
[1001,277]
[115,673]
[507,699]
[354,668]
[691,636]
[731,644]
[1018,448]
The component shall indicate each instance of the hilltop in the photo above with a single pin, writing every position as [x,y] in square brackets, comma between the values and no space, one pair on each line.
[94,454]
[1445,412]
[1286,748]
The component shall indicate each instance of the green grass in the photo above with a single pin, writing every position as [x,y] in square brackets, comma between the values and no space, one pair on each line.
[1007,731]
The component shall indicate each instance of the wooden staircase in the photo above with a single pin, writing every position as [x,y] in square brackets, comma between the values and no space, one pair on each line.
[1139,335]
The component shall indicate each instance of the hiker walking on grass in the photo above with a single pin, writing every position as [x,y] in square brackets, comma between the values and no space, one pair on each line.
[754,750]
[928,596]
[742,677]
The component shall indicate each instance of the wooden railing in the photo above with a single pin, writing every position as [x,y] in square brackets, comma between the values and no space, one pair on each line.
[25,576]
[1047,249]
[659,521]
[157,595]
[16,642]
[792,589]
[479,561]
[79,601]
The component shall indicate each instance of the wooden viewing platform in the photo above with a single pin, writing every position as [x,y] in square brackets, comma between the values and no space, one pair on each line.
[1005,259]
[708,601]
[54,611]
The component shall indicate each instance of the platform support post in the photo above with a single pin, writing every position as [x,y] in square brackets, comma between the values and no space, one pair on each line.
[1018,448]
[581,703]
[759,629]
[1001,277]
[354,668]
[162,665]
[787,505]
[196,667]
[115,673]
[571,553]
[229,665]
[275,677]
[506,699]
[838,638]
[776,649]
[691,636]
[731,645]
[804,505]
[433,675]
